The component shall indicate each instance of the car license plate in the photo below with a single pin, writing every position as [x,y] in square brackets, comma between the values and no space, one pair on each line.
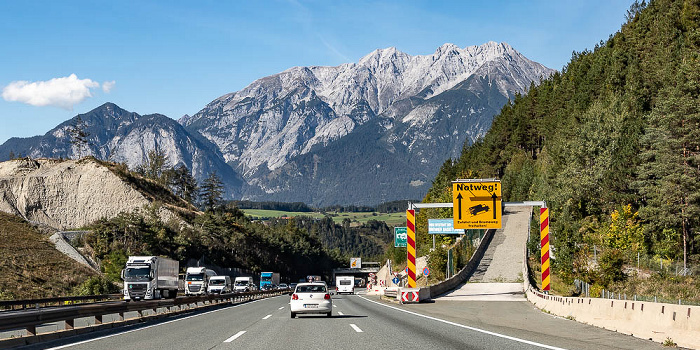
[310,306]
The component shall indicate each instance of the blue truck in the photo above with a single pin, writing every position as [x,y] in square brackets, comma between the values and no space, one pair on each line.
[272,278]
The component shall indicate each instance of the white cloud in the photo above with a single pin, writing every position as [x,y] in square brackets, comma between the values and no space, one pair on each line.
[108,85]
[63,92]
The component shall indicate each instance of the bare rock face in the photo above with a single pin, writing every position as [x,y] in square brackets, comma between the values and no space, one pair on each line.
[66,194]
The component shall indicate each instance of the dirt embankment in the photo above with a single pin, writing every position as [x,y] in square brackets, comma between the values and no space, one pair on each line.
[66,194]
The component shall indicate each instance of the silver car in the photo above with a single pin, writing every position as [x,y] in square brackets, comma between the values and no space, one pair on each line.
[311,298]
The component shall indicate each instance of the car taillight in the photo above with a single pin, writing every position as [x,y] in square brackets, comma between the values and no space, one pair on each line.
[295,297]
[327,296]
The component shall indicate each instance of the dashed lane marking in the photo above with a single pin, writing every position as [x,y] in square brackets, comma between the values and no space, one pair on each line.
[266,317]
[356,328]
[154,325]
[234,337]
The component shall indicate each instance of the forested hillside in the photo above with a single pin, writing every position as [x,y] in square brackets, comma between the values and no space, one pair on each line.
[612,143]
[368,241]
[222,237]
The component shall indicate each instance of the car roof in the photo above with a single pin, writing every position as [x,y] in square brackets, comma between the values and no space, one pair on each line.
[311,284]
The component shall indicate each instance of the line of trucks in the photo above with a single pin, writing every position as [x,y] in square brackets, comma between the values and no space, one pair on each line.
[155,277]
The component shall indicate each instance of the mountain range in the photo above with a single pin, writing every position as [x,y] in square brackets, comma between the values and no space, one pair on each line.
[359,133]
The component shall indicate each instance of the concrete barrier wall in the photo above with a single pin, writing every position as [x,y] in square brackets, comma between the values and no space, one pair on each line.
[463,275]
[646,320]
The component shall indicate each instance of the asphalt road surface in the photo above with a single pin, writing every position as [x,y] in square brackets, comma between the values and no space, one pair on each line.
[360,322]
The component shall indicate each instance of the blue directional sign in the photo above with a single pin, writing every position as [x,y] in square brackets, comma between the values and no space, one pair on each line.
[396,280]
[443,227]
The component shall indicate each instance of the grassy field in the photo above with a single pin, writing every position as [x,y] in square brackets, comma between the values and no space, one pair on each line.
[31,266]
[393,219]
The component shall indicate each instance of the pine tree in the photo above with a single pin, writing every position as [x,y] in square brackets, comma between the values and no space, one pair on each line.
[155,166]
[183,183]
[79,136]
[211,195]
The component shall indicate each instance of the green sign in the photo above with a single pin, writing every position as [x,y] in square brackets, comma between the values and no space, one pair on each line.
[400,235]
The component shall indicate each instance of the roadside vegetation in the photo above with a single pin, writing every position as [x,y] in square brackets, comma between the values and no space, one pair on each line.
[31,266]
[611,144]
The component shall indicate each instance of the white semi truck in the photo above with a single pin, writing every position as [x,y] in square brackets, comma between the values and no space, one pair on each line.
[197,280]
[150,277]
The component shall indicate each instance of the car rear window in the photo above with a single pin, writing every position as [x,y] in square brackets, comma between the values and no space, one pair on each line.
[311,289]
[345,282]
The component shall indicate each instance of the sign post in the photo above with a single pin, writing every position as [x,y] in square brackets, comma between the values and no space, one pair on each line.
[476,203]
[544,247]
[411,247]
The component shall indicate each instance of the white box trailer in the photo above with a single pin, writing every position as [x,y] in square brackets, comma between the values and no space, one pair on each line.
[345,284]
[197,280]
[150,277]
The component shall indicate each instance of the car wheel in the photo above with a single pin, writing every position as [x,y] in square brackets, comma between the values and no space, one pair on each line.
[294,315]
[329,314]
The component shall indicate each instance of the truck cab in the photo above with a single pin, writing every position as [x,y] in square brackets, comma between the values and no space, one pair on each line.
[197,280]
[219,285]
[150,277]
[243,284]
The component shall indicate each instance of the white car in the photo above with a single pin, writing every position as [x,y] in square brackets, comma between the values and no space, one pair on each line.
[311,298]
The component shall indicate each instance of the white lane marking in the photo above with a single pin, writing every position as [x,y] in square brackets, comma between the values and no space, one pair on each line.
[335,305]
[266,317]
[281,308]
[234,337]
[340,313]
[467,327]
[356,328]
[151,326]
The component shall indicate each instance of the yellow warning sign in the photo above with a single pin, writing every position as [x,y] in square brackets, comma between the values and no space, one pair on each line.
[476,203]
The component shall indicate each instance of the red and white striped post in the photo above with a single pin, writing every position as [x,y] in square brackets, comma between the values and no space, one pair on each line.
[544,247]
[411,247]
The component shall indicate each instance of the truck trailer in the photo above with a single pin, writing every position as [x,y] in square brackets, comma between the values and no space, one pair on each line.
[197,280]
[150,277]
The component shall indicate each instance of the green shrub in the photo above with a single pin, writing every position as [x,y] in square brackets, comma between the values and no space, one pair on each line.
[96,285]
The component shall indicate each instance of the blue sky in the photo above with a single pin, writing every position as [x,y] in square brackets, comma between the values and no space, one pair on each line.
[62,58]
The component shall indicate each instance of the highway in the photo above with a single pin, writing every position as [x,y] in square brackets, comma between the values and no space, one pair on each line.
[360,322]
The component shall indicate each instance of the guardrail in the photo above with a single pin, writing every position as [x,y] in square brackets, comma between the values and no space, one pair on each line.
[59,301]
[30,319]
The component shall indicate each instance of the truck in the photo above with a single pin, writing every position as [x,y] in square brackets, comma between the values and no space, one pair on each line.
[219,285]
[269,278]
[243,284]
[313,278]
[197,280]
[150,277]
[345,284]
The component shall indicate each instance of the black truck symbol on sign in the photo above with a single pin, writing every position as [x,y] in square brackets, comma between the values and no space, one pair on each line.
[478,209]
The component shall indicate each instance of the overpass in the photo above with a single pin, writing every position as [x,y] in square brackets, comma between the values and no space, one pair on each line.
[362,272]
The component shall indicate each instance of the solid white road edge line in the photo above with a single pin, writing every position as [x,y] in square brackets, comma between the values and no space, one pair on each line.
[151,326]
[234,337]
[356,328]
[266,317]
[467,327]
